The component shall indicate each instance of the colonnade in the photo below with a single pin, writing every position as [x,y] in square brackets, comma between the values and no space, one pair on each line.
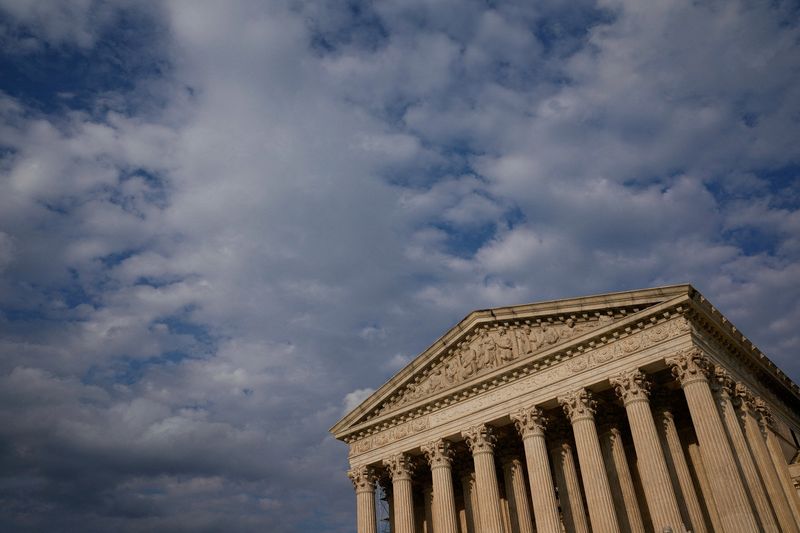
[723,471]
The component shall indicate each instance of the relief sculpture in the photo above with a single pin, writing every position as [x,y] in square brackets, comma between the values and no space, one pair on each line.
[489,348]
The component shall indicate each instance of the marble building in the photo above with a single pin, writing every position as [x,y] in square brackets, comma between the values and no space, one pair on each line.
[634,411]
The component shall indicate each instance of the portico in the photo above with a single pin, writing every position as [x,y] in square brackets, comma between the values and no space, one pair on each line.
[635,411]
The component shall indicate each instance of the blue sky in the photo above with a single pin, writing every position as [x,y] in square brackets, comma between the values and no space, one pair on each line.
[223,223]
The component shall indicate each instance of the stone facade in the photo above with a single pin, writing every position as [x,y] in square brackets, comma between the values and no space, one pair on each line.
[631,412]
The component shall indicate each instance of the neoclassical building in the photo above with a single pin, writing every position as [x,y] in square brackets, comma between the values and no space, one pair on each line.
[634,411]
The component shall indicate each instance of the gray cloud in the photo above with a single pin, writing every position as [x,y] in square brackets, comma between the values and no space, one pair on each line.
[204,267]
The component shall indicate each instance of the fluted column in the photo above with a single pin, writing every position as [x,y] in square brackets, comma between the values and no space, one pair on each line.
[722,387]
[364,479]
[569,488]
[470,500]
[440,457]
[679,468]
[622,486]
[752,432]
[704,486]
[774,448]
[516,493]
[690,368]
[531,424]
[579,407]
[481,440]
[400,468]
[632,388]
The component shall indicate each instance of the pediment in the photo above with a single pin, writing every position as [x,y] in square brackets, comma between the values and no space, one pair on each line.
[490,340]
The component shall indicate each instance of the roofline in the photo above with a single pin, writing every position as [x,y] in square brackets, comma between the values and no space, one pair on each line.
[564,305]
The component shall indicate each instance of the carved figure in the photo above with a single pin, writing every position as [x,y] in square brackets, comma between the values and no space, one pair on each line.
[469,361]
[505,352]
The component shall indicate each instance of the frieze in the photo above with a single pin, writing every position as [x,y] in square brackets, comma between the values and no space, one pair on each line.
[484,351]
[583,361]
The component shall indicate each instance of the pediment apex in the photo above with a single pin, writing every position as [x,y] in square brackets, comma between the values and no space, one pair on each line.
[537,326]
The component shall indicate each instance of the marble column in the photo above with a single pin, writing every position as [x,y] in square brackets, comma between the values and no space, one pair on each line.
[440,457]
[530,424]
[516,494]
[400,467]
[481,441]
[690,367]
[752,432]
[470,500]
[704,486]
[427,498]
[579,407]
[722,387]
[620,479]
[633,389]
[569,487]
[775,452]
[679,467]
[364,479]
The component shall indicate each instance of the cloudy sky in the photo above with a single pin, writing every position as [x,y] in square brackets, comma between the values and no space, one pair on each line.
[222,223]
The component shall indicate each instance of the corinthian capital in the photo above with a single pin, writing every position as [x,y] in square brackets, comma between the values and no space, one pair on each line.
[764,413]
[631,386]
[530,422]
[480,439]
[689,366]
[722,384]
[400,466]
[578,405]
[438,453]
[363,478]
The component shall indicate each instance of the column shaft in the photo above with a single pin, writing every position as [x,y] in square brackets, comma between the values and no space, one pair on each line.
[569,488]
[690,368]
[363,479]
[439,457]
[517,496]
[696,458]
[470,502]
[481,443]
[781,467]
[624,491]
[723,388]
[679,470]
[531,425]
[579,409]
[632,389]
[400,468]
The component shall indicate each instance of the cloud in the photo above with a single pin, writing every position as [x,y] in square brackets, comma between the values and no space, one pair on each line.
[247,216]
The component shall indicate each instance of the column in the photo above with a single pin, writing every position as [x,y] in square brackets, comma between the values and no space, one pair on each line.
[569,488]
[470,500]
[624,491]
[632,388]
[690,367]
[363,478]
[516,493]
[722,387]
[427,498]
[579,407]
[679,468]
[440,458]
[704,486]
[758,447]
[400,468]
[775,452]
[530,424]
[481,440]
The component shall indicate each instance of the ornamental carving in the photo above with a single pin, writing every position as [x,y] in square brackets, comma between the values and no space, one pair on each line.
[487,349]
[400,466]
[722,383]
[689,366]
[363,478]
[530,422]
[389,436]
[438,453]
[578,405]
[631,386]
[480,439]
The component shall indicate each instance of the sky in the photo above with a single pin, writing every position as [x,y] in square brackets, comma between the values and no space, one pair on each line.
[223,224]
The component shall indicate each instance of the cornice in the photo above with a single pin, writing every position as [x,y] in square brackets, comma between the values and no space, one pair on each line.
[709,321]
